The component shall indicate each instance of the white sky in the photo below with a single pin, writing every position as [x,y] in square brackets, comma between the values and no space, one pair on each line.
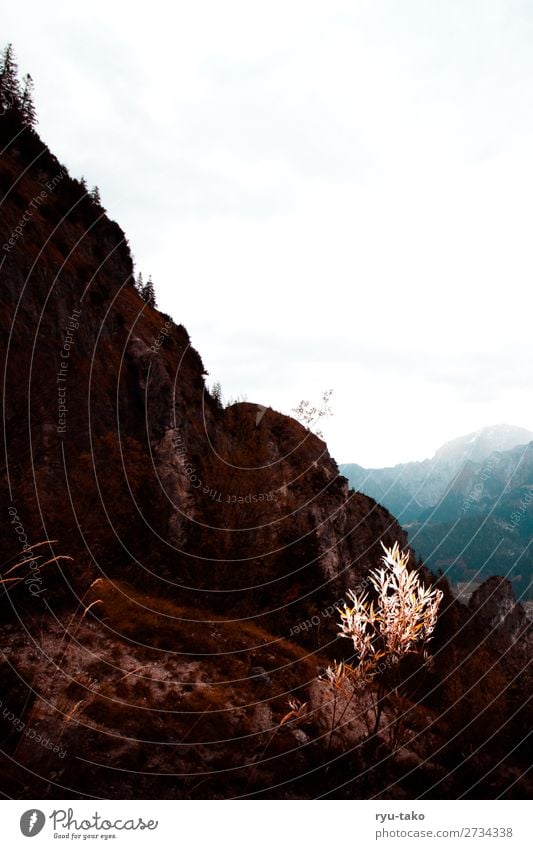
[327,194]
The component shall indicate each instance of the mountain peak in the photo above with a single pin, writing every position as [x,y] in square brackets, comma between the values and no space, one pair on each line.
[479,444]
[409,487]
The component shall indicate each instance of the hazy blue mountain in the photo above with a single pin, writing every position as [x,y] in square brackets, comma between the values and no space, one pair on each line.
[409,489]
[469,512]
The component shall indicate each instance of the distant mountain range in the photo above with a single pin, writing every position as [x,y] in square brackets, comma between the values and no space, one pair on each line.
[469,509]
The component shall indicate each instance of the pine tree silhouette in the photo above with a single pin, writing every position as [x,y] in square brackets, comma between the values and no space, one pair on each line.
[148,293]
[139,284]
[216,392]
[95,195]
[27,109]
[10,97]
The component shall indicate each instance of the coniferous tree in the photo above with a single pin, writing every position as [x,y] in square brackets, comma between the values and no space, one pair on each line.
[27,109]
[149,293]
[83,184]
[10,97]
[95,195]
[216,392]
[139,285]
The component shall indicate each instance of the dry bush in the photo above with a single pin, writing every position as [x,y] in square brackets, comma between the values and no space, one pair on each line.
[398,622]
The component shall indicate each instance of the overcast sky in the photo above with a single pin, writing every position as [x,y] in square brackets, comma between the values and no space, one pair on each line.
[327,194]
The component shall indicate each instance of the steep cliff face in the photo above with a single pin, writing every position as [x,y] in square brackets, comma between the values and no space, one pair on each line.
[106,408]
[208,546]
[495,610]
